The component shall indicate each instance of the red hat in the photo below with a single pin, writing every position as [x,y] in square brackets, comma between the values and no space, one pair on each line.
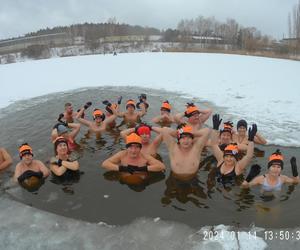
[143,130]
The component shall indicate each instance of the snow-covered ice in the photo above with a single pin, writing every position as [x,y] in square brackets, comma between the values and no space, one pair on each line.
[261,90]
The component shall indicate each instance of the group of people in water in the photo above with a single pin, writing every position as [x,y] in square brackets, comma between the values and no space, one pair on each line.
[232,149]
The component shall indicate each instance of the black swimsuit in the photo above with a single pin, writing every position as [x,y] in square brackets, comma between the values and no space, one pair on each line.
[68,177]
[225,179]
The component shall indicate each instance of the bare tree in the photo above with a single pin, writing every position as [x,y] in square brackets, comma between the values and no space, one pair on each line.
[290,25]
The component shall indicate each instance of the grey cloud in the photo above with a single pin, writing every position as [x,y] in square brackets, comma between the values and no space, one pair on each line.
[18,17]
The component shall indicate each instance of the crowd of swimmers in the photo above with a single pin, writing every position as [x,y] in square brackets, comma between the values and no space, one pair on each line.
[141,154]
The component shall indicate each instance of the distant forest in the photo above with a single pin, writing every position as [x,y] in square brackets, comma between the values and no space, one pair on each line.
[96,30]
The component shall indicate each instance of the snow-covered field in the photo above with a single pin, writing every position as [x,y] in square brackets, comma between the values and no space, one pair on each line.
[261,90]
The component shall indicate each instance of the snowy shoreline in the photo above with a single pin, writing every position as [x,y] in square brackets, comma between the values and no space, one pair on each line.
[258,89]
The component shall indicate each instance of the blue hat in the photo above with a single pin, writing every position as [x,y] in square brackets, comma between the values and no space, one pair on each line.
[61,129]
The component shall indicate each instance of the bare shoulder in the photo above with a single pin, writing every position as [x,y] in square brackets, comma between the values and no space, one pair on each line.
[120,154]
[284,178]
[147,157]
[19,165]
[260,179]
[38,162]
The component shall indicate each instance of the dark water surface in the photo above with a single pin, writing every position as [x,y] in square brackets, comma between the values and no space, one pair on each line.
[99,196]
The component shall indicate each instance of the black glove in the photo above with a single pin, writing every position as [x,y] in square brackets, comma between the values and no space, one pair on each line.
[216,121]
[56,125]
[254,171]
[87,105]
[130,169]
[141,169]
[120,100]
[59,162]
[142,97]
[252,132]
[294,166]
[61,115]
[190,104]
[181,125]
[107,103]
[229,123]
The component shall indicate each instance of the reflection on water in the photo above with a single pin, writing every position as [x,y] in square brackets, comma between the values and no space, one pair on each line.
[184,191]
[136,181]
[95,195]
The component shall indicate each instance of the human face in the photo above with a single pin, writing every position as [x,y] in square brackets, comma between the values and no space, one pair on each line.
[145,138]
[134,150]
[69,110]
[27,159]
[242,130]
[62,148]
[275,170]
[186,141]
[98,119]
[229,160]
[225,138]
[130,109]
[164,112]
[194,119]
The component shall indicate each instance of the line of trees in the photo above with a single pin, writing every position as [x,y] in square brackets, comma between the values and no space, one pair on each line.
[93,31]
[231,32]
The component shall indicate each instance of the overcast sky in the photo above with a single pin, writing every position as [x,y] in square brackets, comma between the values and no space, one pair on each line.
[18,17]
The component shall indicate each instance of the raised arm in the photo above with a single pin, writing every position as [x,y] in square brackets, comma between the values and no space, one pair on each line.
[126,132]
[204,134]
[7,159]
[242,164]
[295,178]
[143,110]
[157,119]
[113,117]
[82,120]
[259,139]
[168,137]
[179,118]
[205,114]
[217,152]
[157,141]
[75,129]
